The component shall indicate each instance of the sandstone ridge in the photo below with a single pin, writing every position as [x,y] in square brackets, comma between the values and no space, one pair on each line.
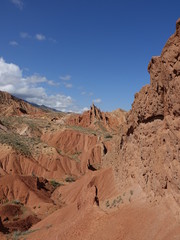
[95,118]
[10,105]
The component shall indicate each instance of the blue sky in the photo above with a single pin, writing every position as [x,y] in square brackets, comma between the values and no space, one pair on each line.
[68,53]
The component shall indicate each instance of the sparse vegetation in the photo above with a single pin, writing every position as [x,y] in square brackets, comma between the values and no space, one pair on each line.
[16,202]
[119,199]
[115,202]
[18,234]
[108,136]
[16,141]
[13,123]
[55,184]
[75,156]
[101,127]
[4,201]
[22,144]
[84,130]
[107,204]
[27,143]
[59,151]
[101,130]
[70,179]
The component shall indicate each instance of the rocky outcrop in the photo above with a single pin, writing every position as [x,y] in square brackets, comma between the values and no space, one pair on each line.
[81,147]
[95,118]
[148,150]
[161,97]
[10,105]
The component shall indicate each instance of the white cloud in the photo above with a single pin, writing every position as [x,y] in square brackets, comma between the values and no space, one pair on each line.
[58,101]
[36,79]
[18,3]
[30,89]
[65,78]
[52,83]
[85,109]
[98,100]
[90,94]
[13,43]
[68,85]
[40,37]
[25,35]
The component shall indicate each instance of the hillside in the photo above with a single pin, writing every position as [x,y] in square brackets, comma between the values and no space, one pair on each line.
[95,175]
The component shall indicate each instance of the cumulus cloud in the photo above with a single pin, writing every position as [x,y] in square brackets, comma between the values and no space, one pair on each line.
[65,78]
[98,100]
[18,3]
[13,43]
[35,79]
[58,101]
[30,89]
[40,37]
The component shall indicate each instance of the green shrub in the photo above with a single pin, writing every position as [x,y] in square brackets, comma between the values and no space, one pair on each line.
[70,179]
[107,204]
[54,183]
[108,136]
[17,235]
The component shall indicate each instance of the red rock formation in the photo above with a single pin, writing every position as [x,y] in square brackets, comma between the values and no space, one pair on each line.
[137,195]
[17,217]
[27,190]
[148,151]
[161,97]
[84,147]
[10,105]
[96,119]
